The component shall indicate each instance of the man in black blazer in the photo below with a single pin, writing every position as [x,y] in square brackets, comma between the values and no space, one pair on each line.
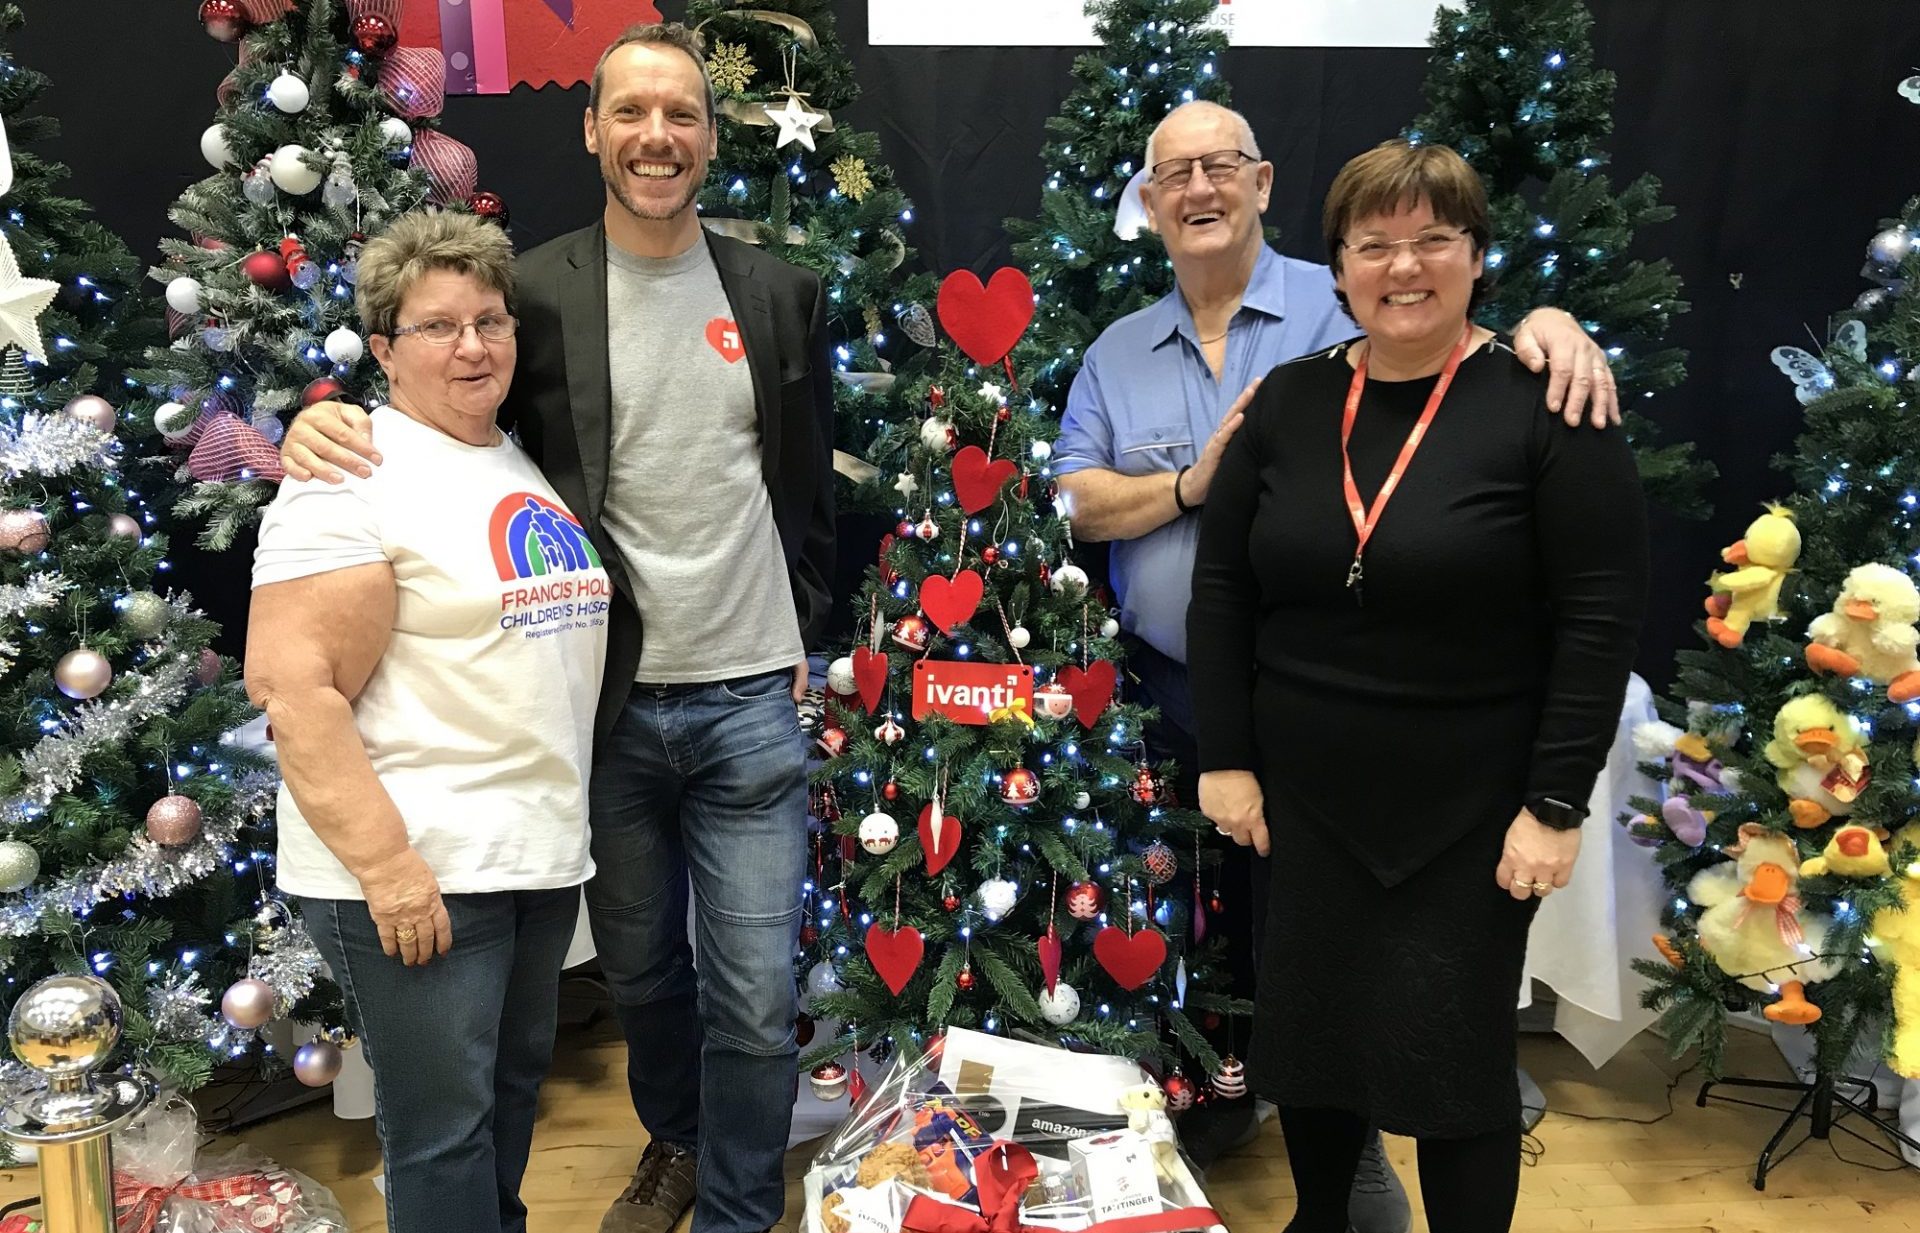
[675,388]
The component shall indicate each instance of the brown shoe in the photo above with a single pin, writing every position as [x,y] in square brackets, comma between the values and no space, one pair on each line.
[659,1194]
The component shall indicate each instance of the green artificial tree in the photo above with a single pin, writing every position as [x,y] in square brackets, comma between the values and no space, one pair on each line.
[1154,55]
[1053,831]
[325,132]
[1514,86]
[1794,736]
[819,195]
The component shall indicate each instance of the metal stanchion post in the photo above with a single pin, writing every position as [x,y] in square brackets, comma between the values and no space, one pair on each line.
[64,1027]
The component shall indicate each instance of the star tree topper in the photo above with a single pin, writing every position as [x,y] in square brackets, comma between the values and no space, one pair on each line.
[22,300]
[795,121]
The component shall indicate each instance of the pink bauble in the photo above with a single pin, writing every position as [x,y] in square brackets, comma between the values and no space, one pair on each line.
[83,674]
[123,526]
[24,531]
[95,410]
[248,1003]
[210,668]
[317,1063]
[174,820]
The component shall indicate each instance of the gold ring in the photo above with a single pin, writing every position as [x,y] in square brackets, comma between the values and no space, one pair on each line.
[1541,887]
[405,933]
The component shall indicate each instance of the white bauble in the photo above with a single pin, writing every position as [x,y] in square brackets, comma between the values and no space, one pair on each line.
[173,420]
[997,896]
[343,346]
[1109,628]
[1041,451]
[213,145]
[1082,799]
[936,434]
[823,980]
[1060,1007]
[1070,580]
[879,833]
[289,94]
[395,131]
[840,675]
[183,295]
[1018,637]
[290,171]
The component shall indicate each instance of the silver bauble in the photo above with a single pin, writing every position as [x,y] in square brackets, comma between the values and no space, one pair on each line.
[144,614]
[317,1063]
[19,865]
[1890,247]
[123,526]
[247,1003]
[92,409]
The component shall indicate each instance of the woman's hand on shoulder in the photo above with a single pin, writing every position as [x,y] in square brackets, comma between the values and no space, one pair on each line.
[1233,803]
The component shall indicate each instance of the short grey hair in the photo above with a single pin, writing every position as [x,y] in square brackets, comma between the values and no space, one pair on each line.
[657,34]
[1248,144]
[416,244]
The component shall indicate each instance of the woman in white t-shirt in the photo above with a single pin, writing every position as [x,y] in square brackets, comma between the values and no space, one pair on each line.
[427,643]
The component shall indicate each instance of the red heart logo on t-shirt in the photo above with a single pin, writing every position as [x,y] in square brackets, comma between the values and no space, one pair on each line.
[724,336]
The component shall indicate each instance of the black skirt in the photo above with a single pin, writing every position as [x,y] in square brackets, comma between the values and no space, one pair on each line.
[1396,1003]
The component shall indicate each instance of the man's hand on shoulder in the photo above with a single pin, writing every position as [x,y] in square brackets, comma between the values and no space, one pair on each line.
[329,435]
[1581,380]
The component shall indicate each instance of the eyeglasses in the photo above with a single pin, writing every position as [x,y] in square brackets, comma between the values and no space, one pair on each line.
[1428,245]
[445,331]
[1220,166]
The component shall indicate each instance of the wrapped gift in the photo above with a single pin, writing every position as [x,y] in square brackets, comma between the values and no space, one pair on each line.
[161,1186]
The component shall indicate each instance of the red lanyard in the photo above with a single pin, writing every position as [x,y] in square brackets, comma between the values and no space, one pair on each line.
[1364,519]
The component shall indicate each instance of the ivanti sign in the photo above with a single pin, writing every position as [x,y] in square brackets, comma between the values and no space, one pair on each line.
[971,693]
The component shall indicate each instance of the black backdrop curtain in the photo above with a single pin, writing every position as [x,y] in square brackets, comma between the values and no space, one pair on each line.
[1774,125]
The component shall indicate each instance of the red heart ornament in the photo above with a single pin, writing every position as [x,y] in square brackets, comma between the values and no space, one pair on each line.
[1049,947]
[724,336]
[978,481]
[949,602]
[985,321]
[895,953]
[1091,687]
[870,674]
[940,854]
[1131,959]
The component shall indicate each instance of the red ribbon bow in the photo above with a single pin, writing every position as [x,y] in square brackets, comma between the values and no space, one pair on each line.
[1001,1176]
[1786,920]
[137,1205]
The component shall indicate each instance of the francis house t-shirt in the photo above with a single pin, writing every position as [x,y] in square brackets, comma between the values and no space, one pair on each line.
[479,718]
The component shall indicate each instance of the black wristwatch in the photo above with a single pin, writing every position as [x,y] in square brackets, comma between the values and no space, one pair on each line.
[1557,815]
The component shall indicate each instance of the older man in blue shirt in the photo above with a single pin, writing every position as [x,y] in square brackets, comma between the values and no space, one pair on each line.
[1158,397]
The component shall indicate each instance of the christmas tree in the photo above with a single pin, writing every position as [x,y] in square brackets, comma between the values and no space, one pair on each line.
[324,133]
[1513,85]
[995,854]
[815,192]
[1795,740]
[1154,55]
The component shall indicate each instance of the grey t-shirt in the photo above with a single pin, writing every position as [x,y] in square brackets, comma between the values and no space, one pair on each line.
[686,504]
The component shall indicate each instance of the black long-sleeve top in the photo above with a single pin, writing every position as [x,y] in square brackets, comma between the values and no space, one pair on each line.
[1486,659]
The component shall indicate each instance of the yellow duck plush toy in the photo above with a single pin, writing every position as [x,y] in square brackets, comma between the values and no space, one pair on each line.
[1751,592]
[1853,852]
[1754,926]
[1870,631]
[1896,936]
[1822,757]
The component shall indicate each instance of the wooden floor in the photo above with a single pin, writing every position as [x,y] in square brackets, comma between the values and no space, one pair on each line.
[1690,1171]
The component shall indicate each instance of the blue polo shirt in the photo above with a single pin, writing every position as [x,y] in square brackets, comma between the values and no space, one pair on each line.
[1145,401]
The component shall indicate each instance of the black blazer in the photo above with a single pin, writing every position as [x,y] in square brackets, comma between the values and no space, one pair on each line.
[561,405]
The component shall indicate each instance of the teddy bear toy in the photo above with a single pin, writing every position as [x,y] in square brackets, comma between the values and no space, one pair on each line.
[1822,759]
[1870,631]
[1751,591]
[1146,1108]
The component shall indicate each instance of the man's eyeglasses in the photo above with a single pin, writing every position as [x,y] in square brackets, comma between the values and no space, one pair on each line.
[445,331]
[1219,166]
[1427,245]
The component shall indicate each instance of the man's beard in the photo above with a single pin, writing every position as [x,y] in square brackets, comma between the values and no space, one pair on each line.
[614,175]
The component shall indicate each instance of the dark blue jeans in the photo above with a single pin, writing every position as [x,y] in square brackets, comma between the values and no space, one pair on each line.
[700,790]
[458,1047]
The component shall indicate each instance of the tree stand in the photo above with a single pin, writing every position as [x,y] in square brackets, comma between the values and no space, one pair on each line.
[1817,1103]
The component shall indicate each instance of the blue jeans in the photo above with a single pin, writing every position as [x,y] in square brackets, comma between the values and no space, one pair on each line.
[458,1047]
[701,790]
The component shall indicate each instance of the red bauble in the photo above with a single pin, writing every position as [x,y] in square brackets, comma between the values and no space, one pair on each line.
[1148,788]
[1214,905]
[374,34]
[1211,1020]
[832,741]
[488,205]
[809,934]
[989,554]
[803,1031]
[1084,900]
[224,19]
[951,903]
[268,270]
[904,530]
[911,633]
[1180,1091]
[1160,862]
[1020,787]
[965,979]
[891,791]
[936,399]
[321,389]
[1003,415]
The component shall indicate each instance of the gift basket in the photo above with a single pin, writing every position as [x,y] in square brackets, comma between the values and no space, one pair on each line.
[982,1134]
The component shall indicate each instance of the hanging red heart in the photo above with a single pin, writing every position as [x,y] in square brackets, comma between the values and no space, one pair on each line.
[940,851]
[895,953]
[976,480]
[985,321]
[947,603]
[1091,687]
[1130,959]
[870,674]
[1049,947]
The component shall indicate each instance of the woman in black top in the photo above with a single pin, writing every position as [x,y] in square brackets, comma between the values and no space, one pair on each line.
[1407,671]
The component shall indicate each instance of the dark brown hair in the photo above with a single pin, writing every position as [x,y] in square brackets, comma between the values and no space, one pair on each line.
[1398,174]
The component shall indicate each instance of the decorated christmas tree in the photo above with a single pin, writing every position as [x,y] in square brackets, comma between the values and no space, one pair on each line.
[995,853]
[1514,86]
[324,133]
[1092,259]
[1786,830]
[815,192]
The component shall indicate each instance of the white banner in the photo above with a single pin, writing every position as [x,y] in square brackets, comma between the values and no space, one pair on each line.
[1064,23]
